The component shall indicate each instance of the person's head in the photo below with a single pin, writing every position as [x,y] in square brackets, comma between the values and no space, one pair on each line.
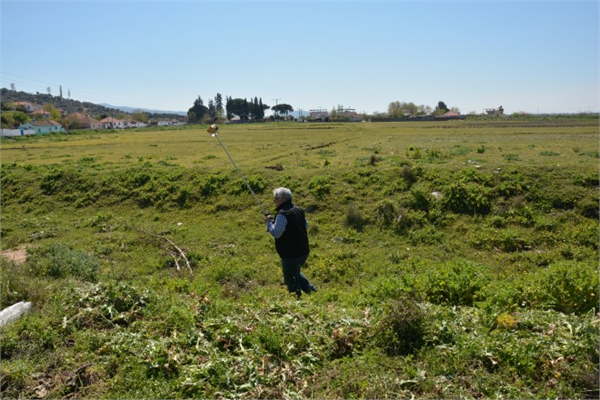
[282,195]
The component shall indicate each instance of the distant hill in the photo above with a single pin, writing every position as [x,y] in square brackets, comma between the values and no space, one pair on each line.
[69,106]
[146,110]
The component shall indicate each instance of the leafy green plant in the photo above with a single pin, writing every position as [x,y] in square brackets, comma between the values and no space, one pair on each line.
[457,283]
[571,286]
[256,182]
[341,267]
[211,185]
[320,186]
[468,198]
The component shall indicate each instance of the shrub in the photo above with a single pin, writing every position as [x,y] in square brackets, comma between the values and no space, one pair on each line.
[238,273]
[256,182]
[505,240]
[373,159]
[400,329]
[354,217]
[586,234]
[588,207]
[421,199]
[320,186]
[468,198]
[511,184]
[386,213]
[566,286]
[409,219]
[60,261]
[341,267]
[572,287]
[427,235]
[408,174]
[211,184]
[457,283]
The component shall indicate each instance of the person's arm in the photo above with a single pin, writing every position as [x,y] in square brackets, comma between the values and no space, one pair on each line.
[277,228]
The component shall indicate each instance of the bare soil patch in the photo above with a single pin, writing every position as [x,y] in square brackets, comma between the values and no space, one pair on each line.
[18,255]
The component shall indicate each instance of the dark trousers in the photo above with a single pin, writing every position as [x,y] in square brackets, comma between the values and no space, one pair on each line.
[294,279]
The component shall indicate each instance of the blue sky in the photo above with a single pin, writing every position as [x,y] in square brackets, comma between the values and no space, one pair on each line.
[537,56]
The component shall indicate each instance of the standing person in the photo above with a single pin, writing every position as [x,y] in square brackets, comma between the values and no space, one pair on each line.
[291,240]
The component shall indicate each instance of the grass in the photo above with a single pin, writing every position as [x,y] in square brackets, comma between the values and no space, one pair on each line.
[482,234]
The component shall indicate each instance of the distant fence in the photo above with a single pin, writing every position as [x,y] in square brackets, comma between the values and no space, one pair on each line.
[17,132]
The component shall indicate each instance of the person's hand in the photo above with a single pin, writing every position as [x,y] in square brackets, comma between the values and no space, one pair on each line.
[268,218]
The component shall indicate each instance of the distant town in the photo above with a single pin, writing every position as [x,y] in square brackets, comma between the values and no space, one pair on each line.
[29,114]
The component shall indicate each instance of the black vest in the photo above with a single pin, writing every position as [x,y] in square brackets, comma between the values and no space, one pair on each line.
[294,241]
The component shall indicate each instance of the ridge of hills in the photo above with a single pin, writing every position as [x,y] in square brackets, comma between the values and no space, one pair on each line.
[69,106]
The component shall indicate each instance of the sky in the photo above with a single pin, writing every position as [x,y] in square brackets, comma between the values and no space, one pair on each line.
[534,57]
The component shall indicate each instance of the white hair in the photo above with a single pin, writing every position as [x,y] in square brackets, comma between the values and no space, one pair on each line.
[283,193]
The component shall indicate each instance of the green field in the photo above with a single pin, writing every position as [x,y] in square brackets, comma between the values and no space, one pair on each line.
[453,259]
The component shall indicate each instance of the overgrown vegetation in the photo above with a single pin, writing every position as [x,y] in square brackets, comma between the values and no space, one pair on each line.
[453,260]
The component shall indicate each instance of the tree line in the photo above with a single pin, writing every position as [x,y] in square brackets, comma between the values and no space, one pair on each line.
[398,109]
[247,110]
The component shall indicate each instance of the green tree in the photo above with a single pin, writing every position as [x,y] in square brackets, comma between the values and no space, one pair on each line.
[12,119]
[411,108]
[54,112]
[395,110]
[197,112]
[423,110]
[219,106]
[282,108]
[71,122]
[212,109]
[239,107]
[441,108]
[139,115]
[257,109]
[229,113]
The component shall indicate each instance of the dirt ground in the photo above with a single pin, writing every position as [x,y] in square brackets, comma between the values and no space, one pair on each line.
[18,255]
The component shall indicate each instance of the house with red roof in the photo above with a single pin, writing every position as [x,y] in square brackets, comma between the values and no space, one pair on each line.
[29,107]
[113,123]
[83,121]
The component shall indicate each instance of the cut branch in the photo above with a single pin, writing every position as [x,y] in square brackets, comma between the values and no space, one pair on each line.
[177,255]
